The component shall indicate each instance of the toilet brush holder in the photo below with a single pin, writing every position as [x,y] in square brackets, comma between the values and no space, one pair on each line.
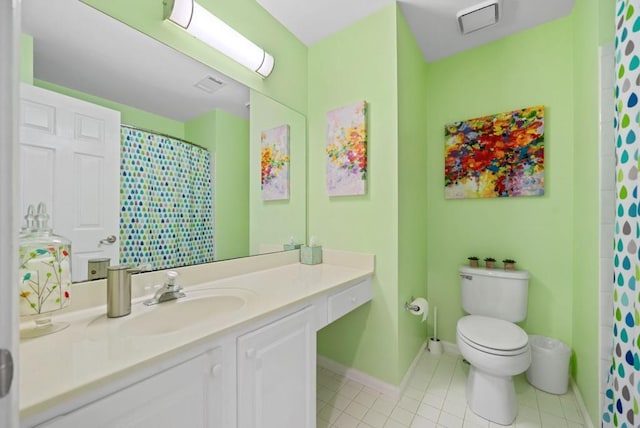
[435,346]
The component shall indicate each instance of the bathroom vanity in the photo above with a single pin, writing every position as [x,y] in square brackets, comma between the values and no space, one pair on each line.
[239,350]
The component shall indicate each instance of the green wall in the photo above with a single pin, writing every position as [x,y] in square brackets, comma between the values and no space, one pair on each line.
[227,138]
[555,237]
[288,81]
[273,223]
[527,69]
[412,195]
[26,59]
[355,64]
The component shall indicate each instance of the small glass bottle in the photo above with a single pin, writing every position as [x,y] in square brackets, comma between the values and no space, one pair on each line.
[29,223]
[44,275]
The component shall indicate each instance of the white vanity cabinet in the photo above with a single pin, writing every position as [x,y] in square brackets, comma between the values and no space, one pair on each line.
[255,374]
[277,373]
[190,394]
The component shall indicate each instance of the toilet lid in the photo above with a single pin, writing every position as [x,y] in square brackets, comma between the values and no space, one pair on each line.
[492,333]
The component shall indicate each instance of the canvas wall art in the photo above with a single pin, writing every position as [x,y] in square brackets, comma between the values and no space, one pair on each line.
[496,156]
[347,150]
[274,145]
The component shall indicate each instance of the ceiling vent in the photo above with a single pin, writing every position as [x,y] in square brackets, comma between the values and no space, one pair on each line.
[209,84]
[479,16]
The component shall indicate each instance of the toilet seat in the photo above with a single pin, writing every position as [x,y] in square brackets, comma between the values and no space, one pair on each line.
[492,335]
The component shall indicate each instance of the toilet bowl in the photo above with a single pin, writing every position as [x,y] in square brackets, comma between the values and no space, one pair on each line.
[497,350]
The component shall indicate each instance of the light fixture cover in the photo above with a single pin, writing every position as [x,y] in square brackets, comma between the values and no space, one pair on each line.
[479,16]
[203,25]
[179,11]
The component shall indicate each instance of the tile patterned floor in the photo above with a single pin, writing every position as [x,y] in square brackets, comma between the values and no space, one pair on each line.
[435,397]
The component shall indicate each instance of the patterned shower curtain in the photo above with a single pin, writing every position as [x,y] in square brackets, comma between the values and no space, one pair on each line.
[165,201]
[623,391]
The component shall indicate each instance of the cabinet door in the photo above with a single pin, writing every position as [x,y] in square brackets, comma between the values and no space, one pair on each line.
[276,374]
[186,395]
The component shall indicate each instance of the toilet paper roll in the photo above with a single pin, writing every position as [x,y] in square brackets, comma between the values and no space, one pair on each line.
[422,307]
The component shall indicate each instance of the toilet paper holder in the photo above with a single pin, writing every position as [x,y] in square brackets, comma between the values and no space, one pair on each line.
[409,307]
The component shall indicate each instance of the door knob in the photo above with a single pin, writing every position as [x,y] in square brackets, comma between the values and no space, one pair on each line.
[6,372]
[111,239]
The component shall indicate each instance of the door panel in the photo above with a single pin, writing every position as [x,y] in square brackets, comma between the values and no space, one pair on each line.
[70,159]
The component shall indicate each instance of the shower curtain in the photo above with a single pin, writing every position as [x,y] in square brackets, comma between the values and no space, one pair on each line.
[622,395]
[165,201]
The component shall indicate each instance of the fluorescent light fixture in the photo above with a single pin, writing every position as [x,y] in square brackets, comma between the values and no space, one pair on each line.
[207,27]
[479,16]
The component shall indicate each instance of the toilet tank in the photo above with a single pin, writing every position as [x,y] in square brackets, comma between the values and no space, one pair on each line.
[495,293]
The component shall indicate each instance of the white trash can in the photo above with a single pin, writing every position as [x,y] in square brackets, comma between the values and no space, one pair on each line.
[549,370]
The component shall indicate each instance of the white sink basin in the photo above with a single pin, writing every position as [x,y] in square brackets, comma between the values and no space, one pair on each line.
[168,317]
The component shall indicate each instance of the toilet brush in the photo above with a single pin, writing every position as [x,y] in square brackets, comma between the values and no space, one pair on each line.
[435,346]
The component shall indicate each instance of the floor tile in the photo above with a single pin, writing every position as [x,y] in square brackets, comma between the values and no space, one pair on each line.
[383,406]
[346,421]
[420,422]
[450,421]
[434,397]
[409,404]
[471,419]
[552,421]
[321,423]
[433,400]
[391,423]
[401,415]
[429,412]
[339,401]
[356,410]
[366,398]
[329,413]
[375,419]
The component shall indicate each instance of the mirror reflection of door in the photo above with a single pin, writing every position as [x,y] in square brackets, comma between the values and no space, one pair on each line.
[70,160]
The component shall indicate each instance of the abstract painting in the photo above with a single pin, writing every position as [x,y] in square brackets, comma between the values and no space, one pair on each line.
[274,157]
[495,156]
[347,150]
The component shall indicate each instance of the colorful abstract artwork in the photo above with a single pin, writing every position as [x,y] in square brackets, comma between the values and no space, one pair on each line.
[275,163]
[495,156]
[347,150]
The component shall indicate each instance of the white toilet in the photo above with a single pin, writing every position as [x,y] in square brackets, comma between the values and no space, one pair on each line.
[488,339]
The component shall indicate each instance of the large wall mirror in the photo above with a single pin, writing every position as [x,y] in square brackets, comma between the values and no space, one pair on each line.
[79,64]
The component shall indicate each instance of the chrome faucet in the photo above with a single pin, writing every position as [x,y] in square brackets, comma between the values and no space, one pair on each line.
[169,291]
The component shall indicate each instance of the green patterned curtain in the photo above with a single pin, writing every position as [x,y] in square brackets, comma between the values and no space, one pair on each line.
[623,391]
[166,192]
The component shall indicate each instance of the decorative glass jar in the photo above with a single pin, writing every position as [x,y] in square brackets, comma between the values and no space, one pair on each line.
[44,275]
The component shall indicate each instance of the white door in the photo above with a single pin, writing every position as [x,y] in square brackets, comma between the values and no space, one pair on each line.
[70,160]
[277,374]
[9,48]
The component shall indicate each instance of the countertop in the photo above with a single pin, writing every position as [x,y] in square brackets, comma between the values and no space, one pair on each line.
[92,349]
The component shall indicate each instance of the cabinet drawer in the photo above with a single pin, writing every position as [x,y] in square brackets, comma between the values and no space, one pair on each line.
[347,300]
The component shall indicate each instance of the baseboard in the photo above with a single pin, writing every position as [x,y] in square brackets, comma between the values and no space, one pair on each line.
[409,373]
[583,408]
[392,391]
[367,380]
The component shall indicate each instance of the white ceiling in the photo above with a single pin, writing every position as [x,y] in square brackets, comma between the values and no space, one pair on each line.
[433,22]
[81,48]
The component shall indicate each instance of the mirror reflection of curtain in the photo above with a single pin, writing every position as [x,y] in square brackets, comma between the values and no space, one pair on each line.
[165,201]
[623,391]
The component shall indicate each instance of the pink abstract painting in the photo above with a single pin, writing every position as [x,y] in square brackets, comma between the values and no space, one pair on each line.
[347,150]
